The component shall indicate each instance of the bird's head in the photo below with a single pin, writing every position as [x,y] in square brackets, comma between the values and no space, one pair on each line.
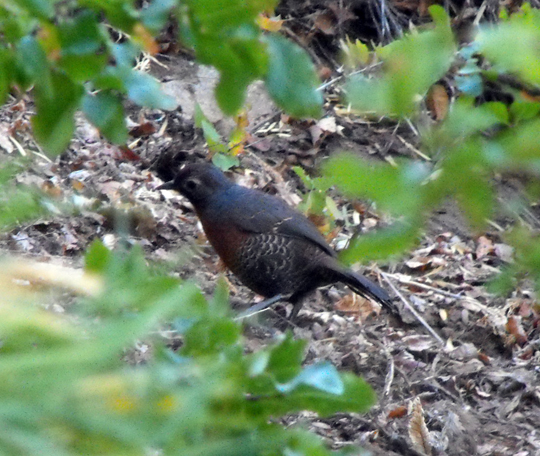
[198,182]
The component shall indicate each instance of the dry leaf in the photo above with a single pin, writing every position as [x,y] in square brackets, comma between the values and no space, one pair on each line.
[418,431]
[145,128]
[357,306]
[5,143]
[419,342]
[326,23]
[398,412]
[484,247]
[418,263]
[504,252]
[270,24]
[437,101]
[324,72]
[515,329]
[145,38]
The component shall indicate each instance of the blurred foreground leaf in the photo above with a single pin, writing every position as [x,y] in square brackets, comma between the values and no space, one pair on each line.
[291,79]
[65,389]
[412,65]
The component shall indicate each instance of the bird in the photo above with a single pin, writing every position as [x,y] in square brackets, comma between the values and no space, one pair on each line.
[270,247]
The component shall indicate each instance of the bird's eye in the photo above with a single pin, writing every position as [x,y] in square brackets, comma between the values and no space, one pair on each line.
[192,184]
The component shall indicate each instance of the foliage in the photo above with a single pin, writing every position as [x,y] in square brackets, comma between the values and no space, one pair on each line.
[411,67]
[17,205]
[223,156]
[475,141]
[67,390]
[81,55]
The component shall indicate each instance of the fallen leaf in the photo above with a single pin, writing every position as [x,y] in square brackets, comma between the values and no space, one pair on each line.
[484,247]
[357,306]
[418,343]
[504,252]
[270,24]
[326,22]
[418,431]
[438,101]
[515,329]
[398,412]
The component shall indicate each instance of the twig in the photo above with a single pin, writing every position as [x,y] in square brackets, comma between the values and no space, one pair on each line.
[480,13]
[412,310]
[388,380]
[17,145]
[269,118]
[425,287]
[413,149]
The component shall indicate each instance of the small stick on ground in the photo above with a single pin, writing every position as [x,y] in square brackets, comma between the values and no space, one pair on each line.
[423,322]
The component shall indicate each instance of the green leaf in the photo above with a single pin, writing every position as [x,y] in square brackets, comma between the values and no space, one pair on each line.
[463,121]
[225,161]
[240,58]
[356,396]
[82,46]
[524,110]
[412,65]
[81,34]
[231,90]
[84,67]
[291,78]
[468,79]
[383,244]
[6,74]
[156,15]
[121,14]
[219,304]
[354,53]
[125,54]
[397,189]
[33,66]
[54,123]
[499,110]
[217,15]
[504,282]
[106,112]
[513,45]
[144,90]
[97,257]
[476,197]
[210,337]
[224,34]
[41,8]
[213,139]
[323,376]
[19,206]
[521,146]
[316,200]
[285,359]
[15,23]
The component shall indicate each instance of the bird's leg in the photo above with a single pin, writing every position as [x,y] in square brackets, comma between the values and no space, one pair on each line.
[296,300]
[262,305]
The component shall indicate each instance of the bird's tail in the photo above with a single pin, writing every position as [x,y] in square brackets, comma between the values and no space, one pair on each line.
[365,287]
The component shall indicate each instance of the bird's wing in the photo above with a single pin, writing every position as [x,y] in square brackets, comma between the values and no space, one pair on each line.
[257,212]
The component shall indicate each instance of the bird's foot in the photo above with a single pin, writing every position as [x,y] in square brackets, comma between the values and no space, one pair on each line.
[261,306]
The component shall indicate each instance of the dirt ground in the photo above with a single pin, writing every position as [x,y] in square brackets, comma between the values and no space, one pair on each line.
[468,384]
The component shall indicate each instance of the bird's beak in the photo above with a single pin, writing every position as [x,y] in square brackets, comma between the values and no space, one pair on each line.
[166,186]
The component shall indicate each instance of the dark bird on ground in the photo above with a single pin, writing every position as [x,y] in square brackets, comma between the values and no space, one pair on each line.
[273,249]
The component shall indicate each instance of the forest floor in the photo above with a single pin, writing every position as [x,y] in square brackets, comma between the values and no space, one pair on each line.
[472,388]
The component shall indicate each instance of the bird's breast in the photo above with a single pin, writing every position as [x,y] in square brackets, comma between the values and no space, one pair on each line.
[226,239]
